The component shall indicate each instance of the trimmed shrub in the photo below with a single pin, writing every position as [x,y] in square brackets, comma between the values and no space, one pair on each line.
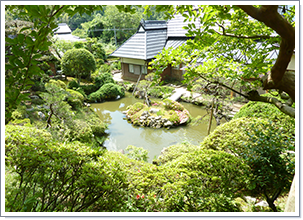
[270,112]
[260,144]
[78,63]
[75,99]
[103,78]
[109,91]
[58,83]
[175,151]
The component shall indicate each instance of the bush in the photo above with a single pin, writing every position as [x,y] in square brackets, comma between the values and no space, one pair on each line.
[137,153]
[58,83]
[73,84]
[270,112]
[75,99]
[55,177]
[174,151]
[272,168]
[78,63]
[108,91]
[161,91]
[260,144]
[103,78]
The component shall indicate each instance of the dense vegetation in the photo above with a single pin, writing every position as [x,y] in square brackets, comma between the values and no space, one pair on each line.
[54,159]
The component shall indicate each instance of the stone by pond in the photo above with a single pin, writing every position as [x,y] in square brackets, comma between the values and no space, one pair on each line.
[165,114]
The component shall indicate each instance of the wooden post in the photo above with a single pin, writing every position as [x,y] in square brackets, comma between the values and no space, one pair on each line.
[211,117]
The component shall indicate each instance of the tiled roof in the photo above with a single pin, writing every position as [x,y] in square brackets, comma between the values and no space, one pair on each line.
[175,26]
[146,43]
[63,28]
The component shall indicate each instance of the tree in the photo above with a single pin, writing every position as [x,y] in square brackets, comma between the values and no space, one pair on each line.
[127,23]
[21,65]
[78,63]
[251,32]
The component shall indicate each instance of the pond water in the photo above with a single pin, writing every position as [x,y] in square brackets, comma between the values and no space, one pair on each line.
[121,133]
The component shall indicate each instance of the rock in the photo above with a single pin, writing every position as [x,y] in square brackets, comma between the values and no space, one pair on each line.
[262,203]
[158,117]
[145,113]
[41,115]
[168,124]
[125,112]
[164,120]
[184,120]
[34,97]
[250,199]
[46,106]
[30,109]
[143,117]
[154,110]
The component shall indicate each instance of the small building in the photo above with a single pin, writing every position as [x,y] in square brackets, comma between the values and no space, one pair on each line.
[63,32]
[149,40]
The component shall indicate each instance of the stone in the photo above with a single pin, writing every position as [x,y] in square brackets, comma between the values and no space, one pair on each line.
[158,117]
[125,112]
[262,203]
[34,97]
[145,113]
[154,110]
[184,120]
[143,117]
[164,120]
[41,115]
[168,124]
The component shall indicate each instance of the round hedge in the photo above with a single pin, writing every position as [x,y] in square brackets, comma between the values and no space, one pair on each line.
[109,91]
[271,113]
[78,63]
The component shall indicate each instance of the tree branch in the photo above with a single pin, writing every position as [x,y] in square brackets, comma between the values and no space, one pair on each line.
[240,37]
[269,15]
[254,96]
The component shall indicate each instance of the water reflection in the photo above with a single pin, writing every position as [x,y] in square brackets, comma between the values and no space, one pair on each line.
[122,133]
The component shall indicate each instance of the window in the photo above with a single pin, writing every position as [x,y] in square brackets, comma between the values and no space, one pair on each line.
[143,70]
[130,68]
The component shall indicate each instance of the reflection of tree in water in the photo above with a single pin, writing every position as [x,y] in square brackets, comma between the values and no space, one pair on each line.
[156,136]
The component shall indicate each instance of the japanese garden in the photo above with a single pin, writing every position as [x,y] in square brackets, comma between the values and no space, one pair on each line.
[150,108]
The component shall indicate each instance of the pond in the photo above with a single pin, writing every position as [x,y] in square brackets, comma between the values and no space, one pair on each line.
[121,133]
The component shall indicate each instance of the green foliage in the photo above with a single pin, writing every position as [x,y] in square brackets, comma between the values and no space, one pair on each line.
[73,84]
[132,109]
[260,144]
[109,91]
[24,51]
[75,99]
[19,113]
[267,111]
[58,83]
[174,151]
[227,40]
[172,105]
[160,91]
[38,168]
[271,166]
[105,68]
[137,153]
[78,63]
[103,78]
